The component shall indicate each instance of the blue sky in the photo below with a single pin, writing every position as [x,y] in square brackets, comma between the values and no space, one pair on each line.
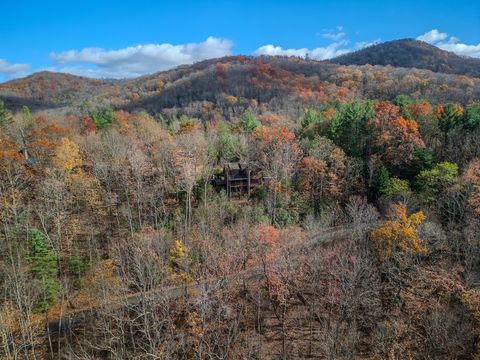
[126,39]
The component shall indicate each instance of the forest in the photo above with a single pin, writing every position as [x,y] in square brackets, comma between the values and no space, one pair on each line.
[362,240]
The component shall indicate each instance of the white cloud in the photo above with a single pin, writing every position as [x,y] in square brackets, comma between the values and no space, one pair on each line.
[338,47]
[320,53]
[461,49]
[138,60]
[278,50]
[432,36]
[363,44]
[452,43]
[333,36]
[10,71]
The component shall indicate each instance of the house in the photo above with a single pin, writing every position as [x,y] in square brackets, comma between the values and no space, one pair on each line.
[239,179]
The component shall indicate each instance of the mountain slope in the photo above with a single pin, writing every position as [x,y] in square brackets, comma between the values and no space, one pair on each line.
[283,84]
[411,53]
[48,89]
[229,85]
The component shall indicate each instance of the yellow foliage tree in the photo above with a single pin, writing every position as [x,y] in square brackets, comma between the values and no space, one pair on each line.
[68,160]
[67,155]
[181,267]
[399,233]
[231,100]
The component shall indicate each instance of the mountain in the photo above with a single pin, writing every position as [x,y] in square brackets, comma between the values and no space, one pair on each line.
[49,90]
[230,85]
[282,84]
[411,53]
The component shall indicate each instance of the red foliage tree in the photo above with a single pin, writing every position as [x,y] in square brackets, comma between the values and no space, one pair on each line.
[395,137]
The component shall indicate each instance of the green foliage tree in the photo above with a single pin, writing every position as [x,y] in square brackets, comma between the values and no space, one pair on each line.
[423,160]
[403,101]
[44,268]
[382,180]
[311,117]
[450,116]
[103,119]
[27,114]
[347,129]
[228,142]
[77,264]
[315,122]
[431,182]
[396,187]
[471,119]
[249,122]
[5,114]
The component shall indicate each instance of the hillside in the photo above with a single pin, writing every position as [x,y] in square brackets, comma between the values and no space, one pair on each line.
[283,84]
[48,89]
[411,53]
[231,84]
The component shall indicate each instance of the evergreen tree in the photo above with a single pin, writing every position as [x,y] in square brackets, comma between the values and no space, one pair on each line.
[44,268]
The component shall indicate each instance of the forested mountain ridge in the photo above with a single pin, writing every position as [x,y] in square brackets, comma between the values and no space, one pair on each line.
[49,90]
[419,70]
[410,53]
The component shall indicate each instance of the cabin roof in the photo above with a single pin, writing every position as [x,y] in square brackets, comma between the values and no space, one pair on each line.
[236,166]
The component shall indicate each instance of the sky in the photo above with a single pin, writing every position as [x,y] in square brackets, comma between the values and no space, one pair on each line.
[125,39]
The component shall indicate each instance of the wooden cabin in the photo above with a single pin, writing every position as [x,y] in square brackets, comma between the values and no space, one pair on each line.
[239,179]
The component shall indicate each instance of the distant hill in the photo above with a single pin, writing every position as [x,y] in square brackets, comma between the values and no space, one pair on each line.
[48,89]
[229,85]
[283,84]
[411,53]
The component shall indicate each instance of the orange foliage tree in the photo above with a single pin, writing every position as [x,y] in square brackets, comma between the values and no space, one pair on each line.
[399,233]
[278,152]
[395,137]
[267,239]
[317,180]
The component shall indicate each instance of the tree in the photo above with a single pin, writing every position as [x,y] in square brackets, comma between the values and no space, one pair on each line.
[382,180]
[399,233]
[423,113]
[397,190]
[472,177]
[320,180]
[103,119]
[471,119]
[314,180]
[267,239]
[449,116]
[404,102]
[322,174]
[36,136]
[44,267]
[229,146]
[278,153]
[189,159]
[5,115]
[181,265]
[249,122]
[67,155]
[348,126]
[394,137]
[311,117]
[471,299]
[431,182]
